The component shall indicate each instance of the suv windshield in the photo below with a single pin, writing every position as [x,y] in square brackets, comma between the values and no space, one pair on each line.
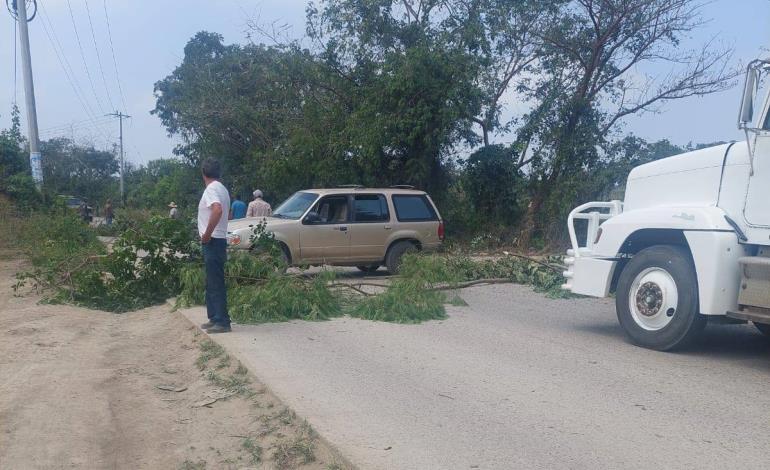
[295,206]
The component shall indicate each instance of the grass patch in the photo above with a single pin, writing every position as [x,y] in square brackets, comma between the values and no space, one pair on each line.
[231,383]
[209,350]
[253,449]
[190,465]
[224,362]
[241,369]
[300,450]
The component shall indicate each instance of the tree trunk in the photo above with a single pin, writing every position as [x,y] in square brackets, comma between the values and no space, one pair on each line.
[530,218]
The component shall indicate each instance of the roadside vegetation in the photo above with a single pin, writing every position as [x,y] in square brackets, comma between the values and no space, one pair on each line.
[374,96]
[155,258]
[279,436]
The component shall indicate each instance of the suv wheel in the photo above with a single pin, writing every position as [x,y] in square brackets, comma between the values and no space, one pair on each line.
[657,298]
[396,252]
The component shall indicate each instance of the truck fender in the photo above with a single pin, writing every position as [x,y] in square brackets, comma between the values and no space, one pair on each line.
[617,230]
[711,241]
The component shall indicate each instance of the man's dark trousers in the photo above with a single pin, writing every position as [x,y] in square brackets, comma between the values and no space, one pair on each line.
[214,258]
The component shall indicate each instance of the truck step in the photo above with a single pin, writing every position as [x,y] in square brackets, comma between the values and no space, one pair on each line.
[755,314]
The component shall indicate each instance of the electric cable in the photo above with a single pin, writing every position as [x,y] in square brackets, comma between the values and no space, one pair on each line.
[114,60]
[98,56]
[83,56]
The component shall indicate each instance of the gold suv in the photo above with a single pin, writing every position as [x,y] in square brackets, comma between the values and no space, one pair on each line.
[349,226]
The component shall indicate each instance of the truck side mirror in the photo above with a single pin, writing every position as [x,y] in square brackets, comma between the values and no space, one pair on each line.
[747,101]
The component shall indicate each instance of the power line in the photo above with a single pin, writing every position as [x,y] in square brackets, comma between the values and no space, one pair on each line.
[78,123]
[83,56]
[69,74]
[53,38]
[98,56]
[114,60]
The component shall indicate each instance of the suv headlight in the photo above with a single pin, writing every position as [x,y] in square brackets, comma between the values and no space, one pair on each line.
[233,239]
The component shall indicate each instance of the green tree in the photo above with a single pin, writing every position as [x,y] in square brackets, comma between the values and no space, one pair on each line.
[493,184]
[586,87]
[155,185]
[79,170]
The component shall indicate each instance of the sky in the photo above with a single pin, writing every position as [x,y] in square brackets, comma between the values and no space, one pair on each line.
[148,38]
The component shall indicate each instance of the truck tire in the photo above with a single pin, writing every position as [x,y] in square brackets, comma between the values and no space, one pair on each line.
[395,253]
[764,328]
[657,298]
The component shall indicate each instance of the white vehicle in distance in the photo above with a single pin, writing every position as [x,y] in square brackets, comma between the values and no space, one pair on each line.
[691,241]
[348,226]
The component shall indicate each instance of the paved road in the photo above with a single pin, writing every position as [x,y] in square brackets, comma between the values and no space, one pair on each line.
[516,380]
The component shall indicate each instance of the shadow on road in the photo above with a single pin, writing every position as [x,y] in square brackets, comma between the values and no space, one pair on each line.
[731,343]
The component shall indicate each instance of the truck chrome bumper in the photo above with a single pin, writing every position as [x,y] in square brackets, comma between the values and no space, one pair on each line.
[586,273]
[588,276]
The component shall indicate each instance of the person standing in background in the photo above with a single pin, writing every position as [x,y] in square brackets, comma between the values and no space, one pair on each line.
[258,207]
[108,214]
[238,209]
[173,212]
[213,213]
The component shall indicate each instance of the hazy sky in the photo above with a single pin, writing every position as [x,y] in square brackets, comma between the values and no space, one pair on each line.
[149,37]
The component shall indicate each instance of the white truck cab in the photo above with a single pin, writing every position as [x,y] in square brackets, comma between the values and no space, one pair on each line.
[691,240]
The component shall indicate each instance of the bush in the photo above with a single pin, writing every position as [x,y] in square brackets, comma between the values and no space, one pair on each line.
[259,292]
[283,298]
[71,265]
[412,297]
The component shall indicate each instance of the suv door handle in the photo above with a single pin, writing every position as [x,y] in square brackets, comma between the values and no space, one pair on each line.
[387,227]
[342,229]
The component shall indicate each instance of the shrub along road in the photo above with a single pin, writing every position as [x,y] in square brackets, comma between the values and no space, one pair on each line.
[517,380]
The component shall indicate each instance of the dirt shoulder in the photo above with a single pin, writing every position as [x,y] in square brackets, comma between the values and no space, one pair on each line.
[88,389]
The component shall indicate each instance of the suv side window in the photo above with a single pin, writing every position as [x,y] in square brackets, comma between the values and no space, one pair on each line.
[370,208]
[413,208]
[332,210]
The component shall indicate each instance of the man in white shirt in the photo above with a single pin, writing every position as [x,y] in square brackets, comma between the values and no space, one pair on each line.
[213,211]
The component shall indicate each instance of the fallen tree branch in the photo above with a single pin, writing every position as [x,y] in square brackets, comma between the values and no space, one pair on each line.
[350,286]
[556,268]
[463,285]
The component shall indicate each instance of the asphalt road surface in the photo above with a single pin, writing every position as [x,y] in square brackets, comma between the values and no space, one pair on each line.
[517,380]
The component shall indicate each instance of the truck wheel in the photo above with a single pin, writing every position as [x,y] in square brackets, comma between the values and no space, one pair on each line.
[657,298]
[396,252]
[763,327]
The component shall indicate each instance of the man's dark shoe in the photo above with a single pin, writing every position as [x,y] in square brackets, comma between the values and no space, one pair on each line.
[207,325]
[219,329]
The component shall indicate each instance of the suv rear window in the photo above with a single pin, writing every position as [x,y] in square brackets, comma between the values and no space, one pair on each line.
[370,208]
[413,208]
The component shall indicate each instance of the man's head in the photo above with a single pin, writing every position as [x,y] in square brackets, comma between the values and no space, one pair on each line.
[211,170]
[257,194]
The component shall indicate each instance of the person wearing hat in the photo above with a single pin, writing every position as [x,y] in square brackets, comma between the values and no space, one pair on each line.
[258,207]
[174,212]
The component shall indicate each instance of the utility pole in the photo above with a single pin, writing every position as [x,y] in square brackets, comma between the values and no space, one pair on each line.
[121,116]
[20,9]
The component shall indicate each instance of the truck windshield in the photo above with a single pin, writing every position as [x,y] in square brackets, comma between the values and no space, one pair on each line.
[295,206]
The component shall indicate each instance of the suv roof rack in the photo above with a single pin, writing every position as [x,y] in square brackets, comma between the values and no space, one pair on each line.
[351,186]
[403,186]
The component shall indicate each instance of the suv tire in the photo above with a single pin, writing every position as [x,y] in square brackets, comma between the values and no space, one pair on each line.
[395,253]
[657,298]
